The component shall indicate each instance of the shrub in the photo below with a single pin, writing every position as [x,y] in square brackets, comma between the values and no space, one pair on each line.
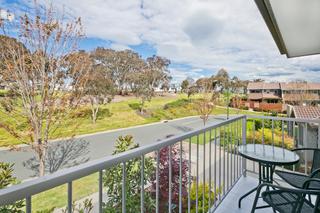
[178,103]
[244,107]
[164,175]
[113,180]
[7,179]
[135,106]
[257,124]
[288,141]
[179,108]
[86,112]
[202,202]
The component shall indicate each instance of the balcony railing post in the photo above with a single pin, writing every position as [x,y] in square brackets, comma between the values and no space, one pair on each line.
[124,179]
[28,204]
[100,190]
[142,185]
[180,178]
[70,197]
[319,134]
[170,179]
[189,178]
[157,182]
[244,141]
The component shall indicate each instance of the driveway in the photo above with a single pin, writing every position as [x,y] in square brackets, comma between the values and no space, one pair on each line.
[63,154]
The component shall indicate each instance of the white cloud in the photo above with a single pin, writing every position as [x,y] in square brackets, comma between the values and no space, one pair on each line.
[204,34]
[119,46]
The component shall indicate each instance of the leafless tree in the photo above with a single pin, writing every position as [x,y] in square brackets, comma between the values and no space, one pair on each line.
[46,74]
[205,106]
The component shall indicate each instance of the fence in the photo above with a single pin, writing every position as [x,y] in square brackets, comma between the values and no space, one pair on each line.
[213,167]
[287,133]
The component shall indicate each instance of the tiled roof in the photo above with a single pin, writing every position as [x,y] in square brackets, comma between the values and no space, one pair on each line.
[255,96]
[263,85]
[255,85]
[270,96]
[306,112]
[300,97]
[284,86]
[314,86]
[300,86]
[259,96]
[271,86]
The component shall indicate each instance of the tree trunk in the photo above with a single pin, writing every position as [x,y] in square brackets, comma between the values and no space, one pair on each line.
[94,115]
[94,109]
[141,106]
[42,159]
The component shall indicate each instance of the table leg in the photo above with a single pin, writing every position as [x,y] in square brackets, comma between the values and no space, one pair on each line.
[245,195]
[265,176]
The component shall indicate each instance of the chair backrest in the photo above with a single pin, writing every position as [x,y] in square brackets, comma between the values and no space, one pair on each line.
[316,161]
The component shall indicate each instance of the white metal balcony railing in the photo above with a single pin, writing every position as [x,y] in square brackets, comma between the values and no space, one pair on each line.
[216,162]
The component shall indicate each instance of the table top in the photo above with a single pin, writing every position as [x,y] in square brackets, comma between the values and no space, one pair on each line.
[268,154]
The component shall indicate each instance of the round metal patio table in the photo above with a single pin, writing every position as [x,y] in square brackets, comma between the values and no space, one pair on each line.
[268,158]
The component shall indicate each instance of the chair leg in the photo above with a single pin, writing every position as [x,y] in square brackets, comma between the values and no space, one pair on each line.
[254,206]
[245,195]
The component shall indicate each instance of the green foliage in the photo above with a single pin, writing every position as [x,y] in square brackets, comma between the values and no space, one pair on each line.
[229,136]
[201,201]
[184,85]
[178,103]
[113,180]
[7,179]
[258,123]
[267,135]
[3,92]
[135,106]
[176,109]
[46,210]
[85,112]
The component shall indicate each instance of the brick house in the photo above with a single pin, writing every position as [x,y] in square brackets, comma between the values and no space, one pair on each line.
[276,96]
[300,93]
[264,96]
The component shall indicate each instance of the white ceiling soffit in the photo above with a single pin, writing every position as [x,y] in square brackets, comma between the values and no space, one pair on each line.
[294,25]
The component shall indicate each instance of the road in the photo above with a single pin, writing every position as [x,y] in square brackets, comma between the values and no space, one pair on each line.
[63,154]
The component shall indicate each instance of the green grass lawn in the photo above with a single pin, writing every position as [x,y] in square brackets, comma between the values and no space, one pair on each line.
[117,115]
[57,197]
[113,116]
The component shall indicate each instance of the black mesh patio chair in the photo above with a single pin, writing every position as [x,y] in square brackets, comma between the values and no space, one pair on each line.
[297,179]
[289,200]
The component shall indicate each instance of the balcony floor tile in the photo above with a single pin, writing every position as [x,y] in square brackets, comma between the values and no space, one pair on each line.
[230,203]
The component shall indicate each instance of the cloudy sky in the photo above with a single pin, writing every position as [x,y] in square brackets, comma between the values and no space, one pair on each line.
[198,36]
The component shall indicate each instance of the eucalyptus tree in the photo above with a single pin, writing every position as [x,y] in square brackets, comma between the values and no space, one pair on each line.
[150,75]
[184,86]
[100,88]
[121,65]
[222,79]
